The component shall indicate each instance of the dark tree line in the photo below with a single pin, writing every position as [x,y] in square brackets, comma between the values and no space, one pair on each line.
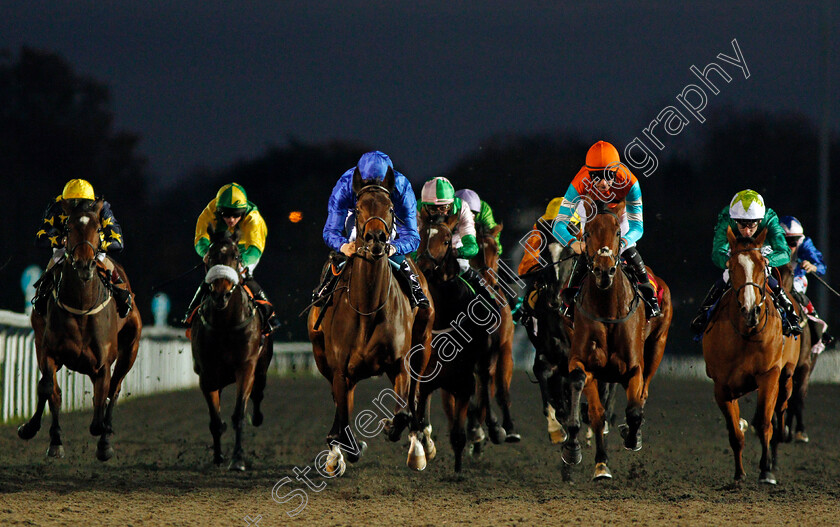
[56,125]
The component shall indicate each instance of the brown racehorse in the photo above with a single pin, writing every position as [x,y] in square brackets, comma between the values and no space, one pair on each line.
[227,344]
[82,331]
[805,364]
[745,350]
[370,329]
[612,342]
[465,327]
[497,374]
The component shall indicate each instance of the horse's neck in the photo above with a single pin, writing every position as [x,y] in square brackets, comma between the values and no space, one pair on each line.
[77,293]
[235,312]
[369,283]
[615,297]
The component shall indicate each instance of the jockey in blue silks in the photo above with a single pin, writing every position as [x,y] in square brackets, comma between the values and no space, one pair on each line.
[340,228]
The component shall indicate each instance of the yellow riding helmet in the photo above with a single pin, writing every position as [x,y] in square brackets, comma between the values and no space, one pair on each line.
[553,209]
[78,189]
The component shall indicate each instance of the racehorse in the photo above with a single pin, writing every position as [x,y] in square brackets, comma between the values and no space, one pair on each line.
[466,326]
[745,350]
[370,329]
[612,341]
[82,331]
[227,344]
[497,374]
[805,364]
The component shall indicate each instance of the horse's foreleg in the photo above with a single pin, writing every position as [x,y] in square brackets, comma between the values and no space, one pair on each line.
[732,416]
[796,405]
[217,426]
[597,422]
[780,432]
[46,387]
[571,454]
[244,385]
[458,431]
[99,426]
[486,388]
[504,374]
[635,412]
[335,464]
[56,448]
[768,390]
[402,418]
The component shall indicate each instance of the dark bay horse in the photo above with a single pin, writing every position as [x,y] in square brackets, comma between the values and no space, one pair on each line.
[466,326]
[82,331]
[612,342]
[496,376]
[745,350]
[371,329]
[805,364]
[227,344]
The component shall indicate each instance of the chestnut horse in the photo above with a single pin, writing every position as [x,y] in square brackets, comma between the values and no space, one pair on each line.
[805,364]
[370,329]
[497,374]
[612,342]
[227,344]
[745,350]
[466,329]
[82,331]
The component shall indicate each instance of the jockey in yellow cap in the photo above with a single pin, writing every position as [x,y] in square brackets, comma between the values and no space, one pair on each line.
[231,209]
[52,235]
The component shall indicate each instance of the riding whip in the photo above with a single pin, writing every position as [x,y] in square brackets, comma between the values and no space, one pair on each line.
[815,275]
[163,284]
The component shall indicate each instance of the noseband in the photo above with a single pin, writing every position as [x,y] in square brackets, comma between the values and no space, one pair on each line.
[364,251]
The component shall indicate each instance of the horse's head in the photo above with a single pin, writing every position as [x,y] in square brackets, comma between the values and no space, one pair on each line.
[374,214]
[435,248]
[82,235]
[603,236]
[224,262]
[551,281]
[488,248]
[746,272]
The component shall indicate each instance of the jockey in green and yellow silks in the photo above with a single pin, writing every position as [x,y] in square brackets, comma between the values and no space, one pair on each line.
[231,210]
[747,216]
[52,235]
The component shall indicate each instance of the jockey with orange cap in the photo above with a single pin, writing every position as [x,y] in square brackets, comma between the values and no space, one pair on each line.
[231,210]
[604,178]
[52,235]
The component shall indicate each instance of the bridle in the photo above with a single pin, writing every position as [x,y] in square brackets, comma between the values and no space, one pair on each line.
[427,254]
[364,251]
[236,287]
[763,290]
[69,255]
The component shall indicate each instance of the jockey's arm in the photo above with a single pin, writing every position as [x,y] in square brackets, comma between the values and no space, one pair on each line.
[466,228]
[780,254]
[405,208]
[112,241]
[51,232]
[341,201]
[633,210]
[252,240]
[720,245]
[485,216]
[560,229]
[808,252]
[205,220]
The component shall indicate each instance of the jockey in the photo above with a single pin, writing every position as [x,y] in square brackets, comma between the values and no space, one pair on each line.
[809,260]
[231,210]
[747,216]
[438,199]
[604,178]
[340,228]
[52,235]
[482,213]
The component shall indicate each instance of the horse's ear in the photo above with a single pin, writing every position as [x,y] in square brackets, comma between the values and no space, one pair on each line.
[731,237]
[357,181]
[388,182]
[422,215]
[96,208]
[452,220]
[759,240]
[496,230]
[65,206]
[237,234]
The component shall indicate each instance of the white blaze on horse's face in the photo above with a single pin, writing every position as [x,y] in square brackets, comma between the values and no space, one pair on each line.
[83,220]
[749,292]
[605,251]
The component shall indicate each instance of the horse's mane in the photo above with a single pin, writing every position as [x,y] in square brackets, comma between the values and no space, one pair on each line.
[483,230]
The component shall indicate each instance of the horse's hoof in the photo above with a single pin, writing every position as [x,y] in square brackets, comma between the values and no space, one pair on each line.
[104,454]
[476,450]
[416,455]
[352,458]
[633,444]
[429,447]
[497,434]
[513,438]
[476,435]
[218,460]
[602,471]
[237,465]
[571,454]
[767,478]
[606,428]
[335,465]
[589,433]
[558,435]
[801,437]
[257,419]
[56,451]
[743,424]
[25,431]
[97,429]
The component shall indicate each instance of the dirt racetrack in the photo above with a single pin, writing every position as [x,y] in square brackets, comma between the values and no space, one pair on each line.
[162,472]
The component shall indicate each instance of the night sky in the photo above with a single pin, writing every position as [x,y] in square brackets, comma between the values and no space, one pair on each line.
[206,83]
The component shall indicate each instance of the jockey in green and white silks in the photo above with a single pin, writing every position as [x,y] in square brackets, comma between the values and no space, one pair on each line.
[482,213]
[438,199]
[747,216]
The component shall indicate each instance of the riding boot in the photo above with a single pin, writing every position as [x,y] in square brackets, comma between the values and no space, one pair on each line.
[123,300]
[569,293]
[632,256]
[194,303]
[43,288]
[322,293]
[411,285]
[790,320]
[266,308]
[472,278]
[698,324]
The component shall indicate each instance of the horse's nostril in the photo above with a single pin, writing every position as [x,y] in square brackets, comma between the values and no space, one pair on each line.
[612,271]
